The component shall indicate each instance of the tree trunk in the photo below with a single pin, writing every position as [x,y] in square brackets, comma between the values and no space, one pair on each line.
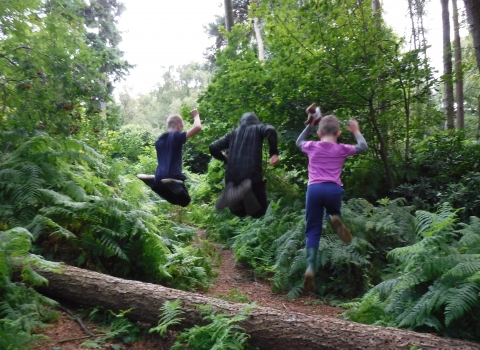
[258,35]
[472,8]
[228,15]
[414,30]
[478,124]
[269,328]
[458,67]
[447,67]
[382,148]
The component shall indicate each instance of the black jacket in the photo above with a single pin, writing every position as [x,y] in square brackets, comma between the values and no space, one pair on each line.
[244,146]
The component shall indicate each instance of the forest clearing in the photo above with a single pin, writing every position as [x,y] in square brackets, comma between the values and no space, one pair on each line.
[313,183]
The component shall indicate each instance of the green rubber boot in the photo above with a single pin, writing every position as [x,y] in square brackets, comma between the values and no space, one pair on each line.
[309,279]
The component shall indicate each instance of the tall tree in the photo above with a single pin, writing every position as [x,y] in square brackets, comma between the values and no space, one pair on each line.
[472,8]
[458,67]
[49,73]
[447,67]
[228,15]
[240,15]
[101,18]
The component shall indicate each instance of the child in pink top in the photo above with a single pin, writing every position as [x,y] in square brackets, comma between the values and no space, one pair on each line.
[324,191]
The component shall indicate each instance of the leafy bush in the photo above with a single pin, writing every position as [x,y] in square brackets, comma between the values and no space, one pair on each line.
[114,326]
[73,205]
[447,166]
[435,285]
[22,310]
[220,331]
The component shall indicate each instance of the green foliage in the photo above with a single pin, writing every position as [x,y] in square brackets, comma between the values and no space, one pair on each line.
[234,295]
[114,326]
[435,286]
[334,55]
[220,332]
[22,310]
[169,317]
[50,73]
[447,167]
[274,245]
[178,87]
[187,268]
[73,205]
[129,142]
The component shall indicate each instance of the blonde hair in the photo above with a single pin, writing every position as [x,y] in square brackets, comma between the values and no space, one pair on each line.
[174,121]
[329,125]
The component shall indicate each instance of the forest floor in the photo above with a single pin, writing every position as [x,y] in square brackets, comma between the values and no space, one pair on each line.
[234,283]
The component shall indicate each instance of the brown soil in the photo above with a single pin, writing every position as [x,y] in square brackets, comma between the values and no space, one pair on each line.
[234,283]
[233,280]
[67,334]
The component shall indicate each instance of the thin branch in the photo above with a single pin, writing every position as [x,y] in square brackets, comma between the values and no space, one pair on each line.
[9,60]
[90,334]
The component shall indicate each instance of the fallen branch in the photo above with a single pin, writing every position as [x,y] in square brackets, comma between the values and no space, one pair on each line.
[269,328]
[80,338]
[78,320]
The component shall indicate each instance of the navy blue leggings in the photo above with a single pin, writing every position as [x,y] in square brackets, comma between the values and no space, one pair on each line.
[325,196]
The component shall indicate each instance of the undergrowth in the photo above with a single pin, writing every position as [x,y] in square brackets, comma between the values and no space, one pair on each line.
[219,332]
[434,284]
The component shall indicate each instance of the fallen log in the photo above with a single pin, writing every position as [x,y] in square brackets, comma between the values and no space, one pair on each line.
[269,328]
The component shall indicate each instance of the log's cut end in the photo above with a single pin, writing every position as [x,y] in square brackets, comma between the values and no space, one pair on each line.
[268,328]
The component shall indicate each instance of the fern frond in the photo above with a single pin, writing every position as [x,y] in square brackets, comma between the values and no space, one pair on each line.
[170,316]
[460,300]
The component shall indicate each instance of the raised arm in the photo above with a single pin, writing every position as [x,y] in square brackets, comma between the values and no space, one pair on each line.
[197,124]
[303,136]
[354,128]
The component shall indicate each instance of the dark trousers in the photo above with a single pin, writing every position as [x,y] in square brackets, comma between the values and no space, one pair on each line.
[325,196]
[174,192]
[260,191]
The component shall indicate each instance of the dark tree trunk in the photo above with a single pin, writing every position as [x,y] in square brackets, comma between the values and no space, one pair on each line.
[228,15]
[472,8]
[269,328]
[447,67]
[383,148]
[458,68]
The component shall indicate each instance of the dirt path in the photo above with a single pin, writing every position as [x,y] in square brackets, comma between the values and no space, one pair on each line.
[235,282]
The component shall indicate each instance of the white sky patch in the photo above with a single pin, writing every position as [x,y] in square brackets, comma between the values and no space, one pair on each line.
[160,33]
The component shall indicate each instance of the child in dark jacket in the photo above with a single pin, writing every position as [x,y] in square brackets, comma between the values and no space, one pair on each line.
[168,181]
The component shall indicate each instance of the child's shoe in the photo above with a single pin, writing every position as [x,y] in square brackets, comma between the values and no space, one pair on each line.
[174,185]
[314,113]
[222,202]
[237,193]
[144,177]
[149,180]
[342,231]
[309,279]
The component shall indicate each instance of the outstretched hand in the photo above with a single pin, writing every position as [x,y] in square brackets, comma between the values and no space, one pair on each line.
[353,127]
[274,159]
